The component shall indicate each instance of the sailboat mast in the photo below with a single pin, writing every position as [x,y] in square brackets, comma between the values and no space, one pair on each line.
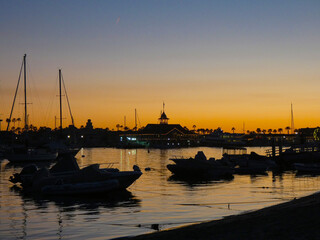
[135,119]
[25,93]
[60,99]
[292,120]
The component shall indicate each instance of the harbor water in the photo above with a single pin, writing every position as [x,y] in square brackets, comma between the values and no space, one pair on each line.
[154,202]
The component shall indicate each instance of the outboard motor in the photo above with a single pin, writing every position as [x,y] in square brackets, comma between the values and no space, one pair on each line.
[136,168]
[29,169]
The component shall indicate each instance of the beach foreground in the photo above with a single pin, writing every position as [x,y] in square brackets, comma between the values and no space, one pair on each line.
[296,219]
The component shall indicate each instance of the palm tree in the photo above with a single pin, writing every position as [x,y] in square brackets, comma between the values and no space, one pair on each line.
[18,129]
[194,127]
[274,131]
[269,130]
[232,129]
[14,122]
[288,129]
[280,130]
[8,120]
[118,126]
[18,120]
[258,130]
[264,131]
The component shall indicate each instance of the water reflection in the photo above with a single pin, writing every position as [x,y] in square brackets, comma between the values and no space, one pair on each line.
[73,203]
[156,199]
[68,209]
[194,182]
[21,165]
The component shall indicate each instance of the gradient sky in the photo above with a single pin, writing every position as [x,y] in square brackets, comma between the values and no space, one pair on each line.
[213,63]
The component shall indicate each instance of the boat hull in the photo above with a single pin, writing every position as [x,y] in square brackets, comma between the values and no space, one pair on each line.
[99,187]
[200,172]
[29,158]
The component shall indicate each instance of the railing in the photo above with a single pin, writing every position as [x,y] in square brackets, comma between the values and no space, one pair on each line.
[109,165]
[291,149]
[178,157]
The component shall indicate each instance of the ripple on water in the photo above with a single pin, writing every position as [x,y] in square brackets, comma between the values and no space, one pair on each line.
[156,198]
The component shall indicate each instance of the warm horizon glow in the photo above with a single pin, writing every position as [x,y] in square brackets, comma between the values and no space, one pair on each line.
[214,64]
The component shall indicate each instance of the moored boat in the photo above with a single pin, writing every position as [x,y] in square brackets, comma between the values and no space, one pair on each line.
[311,168]
[252,163]
[29,155]
[25,153]
[66,178]
[200,167]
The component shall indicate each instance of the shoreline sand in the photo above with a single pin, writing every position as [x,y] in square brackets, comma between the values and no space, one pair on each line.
[296,219]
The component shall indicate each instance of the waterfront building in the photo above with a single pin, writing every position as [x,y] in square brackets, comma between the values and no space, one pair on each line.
[161,135]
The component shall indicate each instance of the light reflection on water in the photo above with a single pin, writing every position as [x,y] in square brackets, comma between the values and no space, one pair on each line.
[155,198]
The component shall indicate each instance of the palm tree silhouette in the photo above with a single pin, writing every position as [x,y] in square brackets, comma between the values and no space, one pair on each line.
[288,129]
[233,129]
[280,130]
[14,122]
[18,120]
[269,130]
[258,130]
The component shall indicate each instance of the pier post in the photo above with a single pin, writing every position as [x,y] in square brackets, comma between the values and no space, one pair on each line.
[273,148]
[280,147]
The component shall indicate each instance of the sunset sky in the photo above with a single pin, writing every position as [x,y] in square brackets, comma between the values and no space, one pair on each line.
[213,63]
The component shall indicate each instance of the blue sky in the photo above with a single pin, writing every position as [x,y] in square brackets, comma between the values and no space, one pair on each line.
[224,55]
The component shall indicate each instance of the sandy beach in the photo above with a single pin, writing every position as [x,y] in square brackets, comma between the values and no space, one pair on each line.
[296,219]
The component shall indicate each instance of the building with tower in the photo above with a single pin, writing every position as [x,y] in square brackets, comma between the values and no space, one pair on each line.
[161,135]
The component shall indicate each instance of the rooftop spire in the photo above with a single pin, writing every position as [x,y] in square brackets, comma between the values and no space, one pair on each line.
[163,117]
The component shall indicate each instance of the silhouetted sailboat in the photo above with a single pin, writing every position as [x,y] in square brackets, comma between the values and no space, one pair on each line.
[25,153]
[60,145]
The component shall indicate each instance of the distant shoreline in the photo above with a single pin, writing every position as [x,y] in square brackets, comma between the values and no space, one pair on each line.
[296,219]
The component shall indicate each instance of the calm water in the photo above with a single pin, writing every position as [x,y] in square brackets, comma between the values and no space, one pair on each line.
[155,198]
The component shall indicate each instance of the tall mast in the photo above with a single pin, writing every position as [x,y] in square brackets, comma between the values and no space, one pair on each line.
[292,122]
[60,99]
[135,119]
[25,93]
[15,95]
[244,129]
